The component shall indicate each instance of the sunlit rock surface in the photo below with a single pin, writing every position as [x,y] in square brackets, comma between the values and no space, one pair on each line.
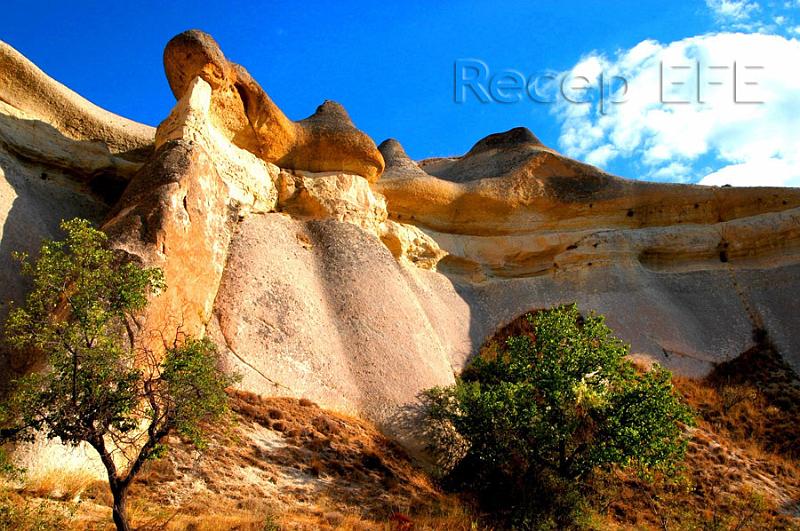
[318,276]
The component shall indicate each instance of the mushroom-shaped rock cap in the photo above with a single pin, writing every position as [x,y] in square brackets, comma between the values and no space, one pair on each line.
[325,141]
[328,141]
[398,163]
[329,114]
[194,54]
[519,136]
[496,155]
[393,152]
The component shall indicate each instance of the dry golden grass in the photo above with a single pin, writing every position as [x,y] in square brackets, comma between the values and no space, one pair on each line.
[58,484]
[742,469]
[319,470]
[323,470]
[449,515]
[22,512]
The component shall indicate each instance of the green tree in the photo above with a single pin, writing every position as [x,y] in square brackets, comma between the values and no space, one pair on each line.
[557,404]
[99,388]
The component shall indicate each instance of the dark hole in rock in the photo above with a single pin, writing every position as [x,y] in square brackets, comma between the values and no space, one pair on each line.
[108,187]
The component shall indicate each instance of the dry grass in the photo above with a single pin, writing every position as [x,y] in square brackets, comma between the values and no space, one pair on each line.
[22,512]
[742,469]
[288,464]
[58,484]
[366,480]
[284,464]
[757,401]
[450,514]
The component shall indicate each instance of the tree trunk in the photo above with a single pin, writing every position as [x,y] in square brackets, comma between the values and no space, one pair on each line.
[563,464]
[120,510]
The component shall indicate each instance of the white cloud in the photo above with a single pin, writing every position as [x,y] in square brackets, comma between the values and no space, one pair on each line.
[713,135]
[601,155]
[675,172]
[732,9]
[762,172]
[767,16]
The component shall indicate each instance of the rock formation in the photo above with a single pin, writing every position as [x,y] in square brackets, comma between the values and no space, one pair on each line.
[325,141]
[685,273]
[60,157]
[318,279]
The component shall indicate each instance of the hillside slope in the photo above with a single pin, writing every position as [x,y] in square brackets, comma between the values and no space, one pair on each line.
[289,464]
[319,276]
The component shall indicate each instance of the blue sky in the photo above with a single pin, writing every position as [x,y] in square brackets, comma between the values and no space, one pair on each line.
[392,66]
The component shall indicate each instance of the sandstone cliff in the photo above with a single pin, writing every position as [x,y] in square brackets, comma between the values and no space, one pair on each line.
[320,274]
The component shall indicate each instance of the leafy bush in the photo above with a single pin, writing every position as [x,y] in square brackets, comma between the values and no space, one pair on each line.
[542,413]
[26,515]
[6,468]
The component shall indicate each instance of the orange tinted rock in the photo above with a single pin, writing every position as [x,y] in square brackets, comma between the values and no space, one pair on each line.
[325,141]
[174,215]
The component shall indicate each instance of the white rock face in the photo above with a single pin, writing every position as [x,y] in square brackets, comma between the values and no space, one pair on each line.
[323,310]
[250,180]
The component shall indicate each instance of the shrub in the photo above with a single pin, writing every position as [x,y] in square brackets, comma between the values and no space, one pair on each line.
[25,515]
[542,413]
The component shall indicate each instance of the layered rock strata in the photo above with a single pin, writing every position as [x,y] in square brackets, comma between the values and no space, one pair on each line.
[685,273]
[319,276]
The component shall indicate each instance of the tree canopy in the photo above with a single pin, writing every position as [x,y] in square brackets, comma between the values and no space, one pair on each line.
[561,402]
[100,386]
